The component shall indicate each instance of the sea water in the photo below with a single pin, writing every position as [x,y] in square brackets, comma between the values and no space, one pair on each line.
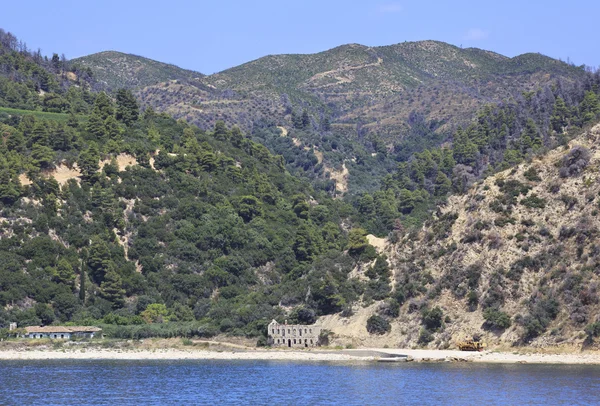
[108,382]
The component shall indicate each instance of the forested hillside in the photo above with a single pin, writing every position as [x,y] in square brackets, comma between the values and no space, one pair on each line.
[206,229]
[352,113]
[143,222]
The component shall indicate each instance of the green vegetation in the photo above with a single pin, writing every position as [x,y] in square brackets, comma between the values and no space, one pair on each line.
[207,231]
[219,228]
[378,325]
[116,70]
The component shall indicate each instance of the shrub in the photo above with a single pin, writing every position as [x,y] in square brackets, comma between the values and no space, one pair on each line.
[425,337]
[432,319]
[496,319]
[518,267]
[534,202]
[473,236]
[504,220]
[532,175]
[575,161]
[472,300]
[568,200]
[554,187]
[593,330]
[378,325]
[303,315]
[390,307]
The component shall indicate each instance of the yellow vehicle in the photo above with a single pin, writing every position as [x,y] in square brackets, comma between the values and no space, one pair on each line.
[471,345]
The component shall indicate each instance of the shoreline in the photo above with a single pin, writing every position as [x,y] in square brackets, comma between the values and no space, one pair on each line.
[369,355]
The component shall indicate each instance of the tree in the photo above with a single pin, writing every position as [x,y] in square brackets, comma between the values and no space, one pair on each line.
[308,242]
[10,190]
[560,116]
[56,64]
[42,156]
[111,128]
[156,313]
[378,325]
[221,132]
[464,150]
[127,107]
[236,136]
[95,125]
[82,277]
[98,259]
[103,106]
[531,139]
[357,241]
[39,134]
[443,185]
[432,319]
[64,273]
[305,124]
[249,207]
[589,107]
[111,288]
[88,162]
[45,313]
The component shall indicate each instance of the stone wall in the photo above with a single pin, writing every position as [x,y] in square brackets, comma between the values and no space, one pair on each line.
[293,335]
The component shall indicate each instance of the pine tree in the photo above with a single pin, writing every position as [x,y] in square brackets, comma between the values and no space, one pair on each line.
[39,134]
[531,138]
[98,260]
[9,190]
[442,184]
[103,107]
[64,273]
[221,132]
[236,136]
[560,116]
[95,125]
[464,150]
[111,288]
[42,156]
[589,107]
[88,163]
[305,120]
[82,277]
[111,128]
[127,107]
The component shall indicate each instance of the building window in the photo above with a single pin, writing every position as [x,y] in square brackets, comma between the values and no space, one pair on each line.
[294,341]
[62,336]
[278,331]
[311,331]
[311,341]
[301,332]
[289,331]
[272,331]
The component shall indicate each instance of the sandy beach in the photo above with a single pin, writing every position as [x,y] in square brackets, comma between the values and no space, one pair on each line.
[321,355]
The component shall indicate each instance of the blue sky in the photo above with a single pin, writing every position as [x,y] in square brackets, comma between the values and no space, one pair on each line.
[209,36]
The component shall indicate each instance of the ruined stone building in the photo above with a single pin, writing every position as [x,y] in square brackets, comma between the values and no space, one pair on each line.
[293,335]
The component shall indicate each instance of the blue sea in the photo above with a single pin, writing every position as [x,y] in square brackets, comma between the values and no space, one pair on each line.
[293,383]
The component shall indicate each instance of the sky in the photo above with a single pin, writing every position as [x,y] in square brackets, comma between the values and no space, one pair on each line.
[210,36]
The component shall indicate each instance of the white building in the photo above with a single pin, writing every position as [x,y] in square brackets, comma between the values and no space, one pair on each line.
[62,332]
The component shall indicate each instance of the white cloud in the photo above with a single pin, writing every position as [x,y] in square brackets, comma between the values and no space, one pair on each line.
[476,34]
[389,8]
